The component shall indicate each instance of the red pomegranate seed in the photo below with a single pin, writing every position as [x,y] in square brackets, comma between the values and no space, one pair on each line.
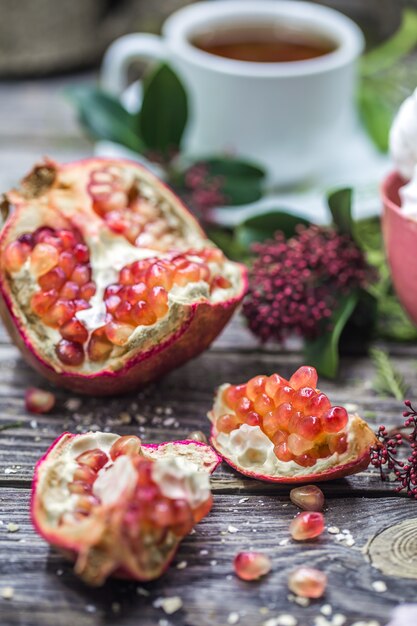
[284,394]
[15,255]
[308,497]
[74,331]
[273,383]
[85,504]
[123,313]
[160,275]
[79,487]
[67,238]
[85,473]
[67,262]
[143,314]
[54,279]
[309,427]
[252,418]
[38,400]
[307,582]
[99,348]
[190,273]
[197,435]
[338,443]
[233,394]
[251,565]
[118,333]
[126,277]
[81,274]
[70,352]
[158,298]
[335,419]
[81,253]
[87,291]
[129,445]
[27,239]
[137,292]
[263,404]
[319,404]
[255,387]
[307,525]
[43,233]
[283,453]
[243,407]
[112,303]
[59,314]
[305,376]
[41,301]
[226,423]
[44,257]
[298,445]
[94,459]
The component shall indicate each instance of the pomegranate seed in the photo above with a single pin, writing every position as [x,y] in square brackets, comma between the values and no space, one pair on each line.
[123,313]
[38,400]
[59,314]
[251,565]
[163,514]
[95,459]
[306,460]
[298,445]
[45,232]
[67,238]
[226,423]
[125,276]
[338,443]
[118,333]
[44,257]
[270,424]
[252,418]
[87,291]
[233,394]
[99,348]
[307,582]
[308,498]
[67,262]
[15,255]
[129,445]
[143,314]
[80,304]
[81,253]
[263,404]
[309,427]
[81,275]
[188,274]
[283,395]
[197,435]
[85,473]
[158,298]
[159,275]
[54,279]
[335,419]
[74,331]
[280,436]
[41,302]
[273,384]
[319,404]
[283,453]
[244,406]
[255,387]
[303,398]
[305,376]
[85,504]
[79,486]
[27,239]
[137,292]
[70,291]
[112,303]
[219,282]
[70,352]
[307,525]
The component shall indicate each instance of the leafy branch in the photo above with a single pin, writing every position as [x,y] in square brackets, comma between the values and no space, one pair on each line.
[388,381]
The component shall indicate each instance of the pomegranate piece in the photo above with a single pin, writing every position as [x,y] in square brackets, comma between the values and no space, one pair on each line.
[308,497]
[120,507]
[280,430]
[307,525]
[39,400]
[307,582]
[251,565]
[117,266]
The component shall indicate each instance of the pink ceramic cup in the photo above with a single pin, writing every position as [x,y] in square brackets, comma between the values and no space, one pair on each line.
[400,237]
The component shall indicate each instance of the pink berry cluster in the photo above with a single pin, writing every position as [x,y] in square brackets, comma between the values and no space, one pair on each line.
[295,284]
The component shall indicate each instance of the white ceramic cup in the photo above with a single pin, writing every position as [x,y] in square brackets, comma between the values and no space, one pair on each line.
[290,117]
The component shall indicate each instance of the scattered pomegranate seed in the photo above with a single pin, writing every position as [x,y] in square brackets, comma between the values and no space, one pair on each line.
[197,435]
[307,582]
[308,497]
[38,400]
[251,565]
[307,525]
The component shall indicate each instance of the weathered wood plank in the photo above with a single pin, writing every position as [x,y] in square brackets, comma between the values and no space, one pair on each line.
[47,593]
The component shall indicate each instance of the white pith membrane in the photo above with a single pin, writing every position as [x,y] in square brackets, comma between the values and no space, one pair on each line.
[67,205]
[180,470]
[249,448]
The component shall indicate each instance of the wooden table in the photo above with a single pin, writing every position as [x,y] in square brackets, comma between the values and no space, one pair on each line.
[36,120]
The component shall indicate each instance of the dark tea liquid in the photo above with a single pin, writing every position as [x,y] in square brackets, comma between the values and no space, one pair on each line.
[264,43]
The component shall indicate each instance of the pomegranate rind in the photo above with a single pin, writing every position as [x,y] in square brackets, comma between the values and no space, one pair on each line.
[354,460]
[198,453]
[194,328]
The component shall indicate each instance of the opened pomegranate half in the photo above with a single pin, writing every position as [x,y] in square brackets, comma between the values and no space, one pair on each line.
[119,507]
[287,430]
[107,281]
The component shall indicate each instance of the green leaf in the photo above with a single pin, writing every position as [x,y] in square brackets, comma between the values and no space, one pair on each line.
[105,118]
[11,425]
[340,205]
[264,225]
[226,241]
[376,114]
[164,112]
[323,352]
[389,381]
[395,48]
[234,168]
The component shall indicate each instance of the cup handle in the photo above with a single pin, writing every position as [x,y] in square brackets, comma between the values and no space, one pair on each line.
[122,53]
